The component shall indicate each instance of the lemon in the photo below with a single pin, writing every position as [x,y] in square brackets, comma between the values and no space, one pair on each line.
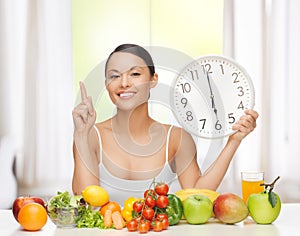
[95,195]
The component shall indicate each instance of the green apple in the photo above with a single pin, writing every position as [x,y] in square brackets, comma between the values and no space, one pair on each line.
[229,208]
[197,209]
[264,207]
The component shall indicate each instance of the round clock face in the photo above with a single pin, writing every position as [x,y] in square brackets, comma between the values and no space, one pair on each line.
[210,95]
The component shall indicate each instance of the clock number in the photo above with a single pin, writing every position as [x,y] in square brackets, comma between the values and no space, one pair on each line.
[241,105]
[241,91]
[184,101]
[189,116]
[186,87]
[218,126]
[194,74]
[203,120]
[206,68]
[231,118]
[235,76]
[222,68]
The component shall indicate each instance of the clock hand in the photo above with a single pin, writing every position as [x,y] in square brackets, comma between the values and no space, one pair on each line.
[212,96]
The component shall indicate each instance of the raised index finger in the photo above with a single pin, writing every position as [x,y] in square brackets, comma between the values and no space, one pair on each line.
[82,91]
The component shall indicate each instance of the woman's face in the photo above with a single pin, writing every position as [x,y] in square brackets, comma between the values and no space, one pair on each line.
[128,80]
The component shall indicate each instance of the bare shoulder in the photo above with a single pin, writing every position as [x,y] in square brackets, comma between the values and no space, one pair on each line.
[179,136]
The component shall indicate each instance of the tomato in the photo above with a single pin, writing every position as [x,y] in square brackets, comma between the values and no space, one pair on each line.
[144,227]
[161,189]
[132,225]
[165,223]
[161,216]
[138,206]
[157,226]
[148,213]
[162,201]
[149,192]
[150,201]
[164,219]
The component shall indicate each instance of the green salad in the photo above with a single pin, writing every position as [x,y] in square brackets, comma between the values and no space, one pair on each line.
[65,210]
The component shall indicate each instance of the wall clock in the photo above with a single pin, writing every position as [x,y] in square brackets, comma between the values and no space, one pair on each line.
[210,94]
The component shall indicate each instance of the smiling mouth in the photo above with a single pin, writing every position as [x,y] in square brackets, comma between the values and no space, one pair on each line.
[126,95]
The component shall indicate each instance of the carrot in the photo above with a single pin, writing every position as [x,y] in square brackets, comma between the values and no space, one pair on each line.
[118,220]
[108,218]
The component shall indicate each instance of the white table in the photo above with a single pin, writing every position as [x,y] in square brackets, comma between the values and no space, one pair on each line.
[288,223]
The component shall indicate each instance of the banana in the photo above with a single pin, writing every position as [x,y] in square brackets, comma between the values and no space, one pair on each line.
[184,193]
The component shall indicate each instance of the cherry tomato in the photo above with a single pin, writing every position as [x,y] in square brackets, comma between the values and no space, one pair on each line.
[165,223]
[143,227]
[161,216]
[138,206]
[150,201]
[162,189]
[164,220]
[148,213]
[149,192]
[157,226]
[132,225]
[162,201]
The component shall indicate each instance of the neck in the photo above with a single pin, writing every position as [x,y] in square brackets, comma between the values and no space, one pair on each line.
[135,121]
[137,132]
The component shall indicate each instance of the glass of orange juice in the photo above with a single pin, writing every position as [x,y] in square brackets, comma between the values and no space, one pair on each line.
[251,181]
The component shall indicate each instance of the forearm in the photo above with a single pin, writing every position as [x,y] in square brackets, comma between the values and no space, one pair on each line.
[213,177]
[86,170]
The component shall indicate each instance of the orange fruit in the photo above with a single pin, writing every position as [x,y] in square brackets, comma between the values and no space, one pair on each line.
[113,206]
[32,216]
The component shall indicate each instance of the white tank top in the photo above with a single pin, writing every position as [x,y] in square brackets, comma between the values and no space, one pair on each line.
[120,189]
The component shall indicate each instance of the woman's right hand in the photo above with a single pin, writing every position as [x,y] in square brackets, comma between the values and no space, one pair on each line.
[84,114]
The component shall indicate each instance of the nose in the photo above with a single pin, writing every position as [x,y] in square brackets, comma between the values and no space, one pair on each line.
[125,80]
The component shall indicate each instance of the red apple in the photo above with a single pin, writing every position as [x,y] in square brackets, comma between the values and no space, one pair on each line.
[22,201]
[230,208]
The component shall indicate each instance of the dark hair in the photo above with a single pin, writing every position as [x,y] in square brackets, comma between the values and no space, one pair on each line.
[137,51]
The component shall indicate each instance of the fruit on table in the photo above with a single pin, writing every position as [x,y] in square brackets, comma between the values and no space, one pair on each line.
[32,216]
[95,195]
[113,206]
[265,207]
[197,209]
[184,193]
[230,208]
[22,201]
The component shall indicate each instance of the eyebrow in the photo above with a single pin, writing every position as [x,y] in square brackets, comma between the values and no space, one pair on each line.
[132,68]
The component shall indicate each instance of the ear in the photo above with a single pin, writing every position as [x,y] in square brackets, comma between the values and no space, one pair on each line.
[154,80]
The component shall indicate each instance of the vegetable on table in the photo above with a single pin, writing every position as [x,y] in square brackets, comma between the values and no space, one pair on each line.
[174,209]
[117,220]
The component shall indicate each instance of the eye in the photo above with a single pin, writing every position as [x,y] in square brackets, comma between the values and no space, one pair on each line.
[113,76]
[135,74]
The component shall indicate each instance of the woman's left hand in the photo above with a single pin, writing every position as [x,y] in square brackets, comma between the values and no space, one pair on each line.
[245,125]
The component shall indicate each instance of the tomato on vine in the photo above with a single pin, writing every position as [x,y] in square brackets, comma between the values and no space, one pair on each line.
[161,188]
[157,226]
[149,192]
[138,206]
[132,225]
[148,213]
[150,201]
[143,226]
[162,201]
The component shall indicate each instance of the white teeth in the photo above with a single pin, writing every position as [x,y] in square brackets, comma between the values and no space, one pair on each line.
[125,95]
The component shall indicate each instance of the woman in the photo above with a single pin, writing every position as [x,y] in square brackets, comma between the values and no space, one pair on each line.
[124,153]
